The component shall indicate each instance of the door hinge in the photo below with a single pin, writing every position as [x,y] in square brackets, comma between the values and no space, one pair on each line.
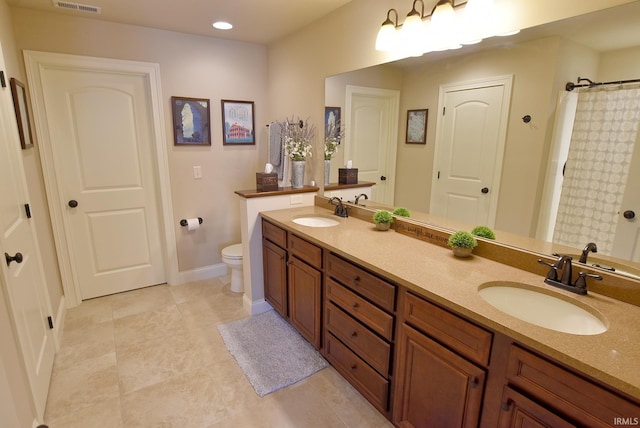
[2,81]
[438,175]
[50,322]
[443,110]
[27,210]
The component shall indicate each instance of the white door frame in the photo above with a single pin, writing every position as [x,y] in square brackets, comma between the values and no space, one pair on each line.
[37,61]
[394,97]
[506,81]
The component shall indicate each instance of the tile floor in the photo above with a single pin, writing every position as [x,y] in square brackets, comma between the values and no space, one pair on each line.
[153,358]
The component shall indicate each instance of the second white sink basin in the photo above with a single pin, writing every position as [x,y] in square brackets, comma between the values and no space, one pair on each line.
[316,221]
[542,309]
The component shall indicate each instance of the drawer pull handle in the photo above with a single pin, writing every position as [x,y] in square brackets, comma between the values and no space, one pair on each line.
[354,334]
[354,366]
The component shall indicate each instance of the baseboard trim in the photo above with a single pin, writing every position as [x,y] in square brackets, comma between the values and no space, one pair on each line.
[255,308]
[206,272]
[58,325]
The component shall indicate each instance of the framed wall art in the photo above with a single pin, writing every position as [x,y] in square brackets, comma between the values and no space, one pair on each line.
[331,119]
[417,126]
[191,121]
[238,123]
[19,94]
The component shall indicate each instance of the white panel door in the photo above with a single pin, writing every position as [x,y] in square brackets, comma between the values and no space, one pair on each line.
[468,154]
[22,277]
[372,130]
[627,239]
[100,126]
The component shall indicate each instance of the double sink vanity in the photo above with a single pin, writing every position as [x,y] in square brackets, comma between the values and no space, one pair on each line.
[434,340]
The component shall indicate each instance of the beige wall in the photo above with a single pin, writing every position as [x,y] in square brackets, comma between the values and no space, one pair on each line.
[621,64]
[190,66]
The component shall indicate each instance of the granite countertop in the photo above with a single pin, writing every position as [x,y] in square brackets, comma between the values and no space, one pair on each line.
[611,357]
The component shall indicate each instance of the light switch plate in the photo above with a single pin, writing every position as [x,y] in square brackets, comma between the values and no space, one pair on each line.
[197,172]
[296,199]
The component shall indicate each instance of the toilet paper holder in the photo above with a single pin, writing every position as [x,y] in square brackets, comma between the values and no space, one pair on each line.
[183,222]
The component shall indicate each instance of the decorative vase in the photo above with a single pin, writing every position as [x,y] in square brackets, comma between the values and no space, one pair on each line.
[297,174]
[383,226]
[462,252]
[327,171]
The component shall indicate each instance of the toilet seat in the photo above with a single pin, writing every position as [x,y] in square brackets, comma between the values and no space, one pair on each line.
[233,252]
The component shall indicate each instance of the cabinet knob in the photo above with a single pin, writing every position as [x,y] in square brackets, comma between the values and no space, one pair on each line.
[355,305]
[354,366]
[354,335]
[506,406]
[356,279]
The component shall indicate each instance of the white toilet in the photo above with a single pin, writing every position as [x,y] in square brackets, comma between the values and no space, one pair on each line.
[232,257]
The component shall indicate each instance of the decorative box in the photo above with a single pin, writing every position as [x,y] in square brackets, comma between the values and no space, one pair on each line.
[266,182]
[347,175]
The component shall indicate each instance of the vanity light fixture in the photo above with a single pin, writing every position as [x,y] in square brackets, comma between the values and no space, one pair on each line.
[222,25]
[449,26]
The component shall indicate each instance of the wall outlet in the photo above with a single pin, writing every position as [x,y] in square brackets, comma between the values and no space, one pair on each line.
[296,199]
[197,172]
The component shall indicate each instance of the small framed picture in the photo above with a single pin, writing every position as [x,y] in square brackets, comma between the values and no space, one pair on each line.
[331,120]
[417,126]
[191,121]
[238,123]
[22,113]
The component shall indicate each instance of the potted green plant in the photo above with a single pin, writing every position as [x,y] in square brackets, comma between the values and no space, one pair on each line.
[462,243]
[483,232]
[382,219]
[402,212]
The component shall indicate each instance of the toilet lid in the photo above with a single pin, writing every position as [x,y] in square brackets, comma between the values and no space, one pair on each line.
[233,251]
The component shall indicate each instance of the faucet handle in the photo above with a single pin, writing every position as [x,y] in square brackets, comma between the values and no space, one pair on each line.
[581,281]
[553,272]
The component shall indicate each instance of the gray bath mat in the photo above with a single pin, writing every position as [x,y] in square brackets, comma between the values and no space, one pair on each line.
[270,352]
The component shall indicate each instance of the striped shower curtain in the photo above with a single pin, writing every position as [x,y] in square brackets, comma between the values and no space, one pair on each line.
[602,142]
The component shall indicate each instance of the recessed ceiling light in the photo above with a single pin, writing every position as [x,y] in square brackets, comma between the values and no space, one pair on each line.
[221,25]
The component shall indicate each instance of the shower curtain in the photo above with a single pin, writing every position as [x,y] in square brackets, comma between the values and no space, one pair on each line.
[602,142]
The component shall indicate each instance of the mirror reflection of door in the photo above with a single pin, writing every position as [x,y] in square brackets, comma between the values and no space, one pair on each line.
[370,139]
[469,149]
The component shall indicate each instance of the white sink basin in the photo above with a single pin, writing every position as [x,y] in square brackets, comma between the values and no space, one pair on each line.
[316,221]
[541,309]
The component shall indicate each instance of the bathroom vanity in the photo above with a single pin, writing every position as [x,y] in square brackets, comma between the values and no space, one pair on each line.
[402,320]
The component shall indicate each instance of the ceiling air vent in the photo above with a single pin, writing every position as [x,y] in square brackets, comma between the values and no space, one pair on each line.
[77,6]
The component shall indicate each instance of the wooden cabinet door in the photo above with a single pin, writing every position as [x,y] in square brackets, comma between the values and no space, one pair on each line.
[434,386]
[274,261]
[519,411]
[305,292]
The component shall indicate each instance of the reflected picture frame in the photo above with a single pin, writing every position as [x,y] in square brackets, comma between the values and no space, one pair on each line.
[191,121]
[19,94]
[238,123]
[417,126]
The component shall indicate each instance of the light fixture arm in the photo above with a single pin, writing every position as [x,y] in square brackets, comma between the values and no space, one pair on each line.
[388,20]
[414,11]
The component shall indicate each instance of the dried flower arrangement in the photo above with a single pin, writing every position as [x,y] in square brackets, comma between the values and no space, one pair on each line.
[333,134]
[297,138]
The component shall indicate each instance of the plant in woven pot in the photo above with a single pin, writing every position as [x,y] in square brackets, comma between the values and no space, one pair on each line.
[462,243]
[382,219]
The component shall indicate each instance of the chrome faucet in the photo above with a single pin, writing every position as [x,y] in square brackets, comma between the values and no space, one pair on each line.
[340,210]
[361,195]
[591,247]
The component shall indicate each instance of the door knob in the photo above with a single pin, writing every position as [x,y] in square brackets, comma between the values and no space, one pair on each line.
[73,203]
[629,215]
[485,190]
[383,178]
[17,258]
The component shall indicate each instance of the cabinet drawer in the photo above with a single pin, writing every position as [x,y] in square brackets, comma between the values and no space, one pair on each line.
[569,393]
[370,315]
[306,251]
[460,335]
[274,234]
[370,286]
[371,385]
[363,342]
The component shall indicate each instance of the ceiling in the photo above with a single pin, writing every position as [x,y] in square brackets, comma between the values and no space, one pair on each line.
[255,21]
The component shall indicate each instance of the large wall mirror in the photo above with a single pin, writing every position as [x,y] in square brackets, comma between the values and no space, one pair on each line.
[531,69]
